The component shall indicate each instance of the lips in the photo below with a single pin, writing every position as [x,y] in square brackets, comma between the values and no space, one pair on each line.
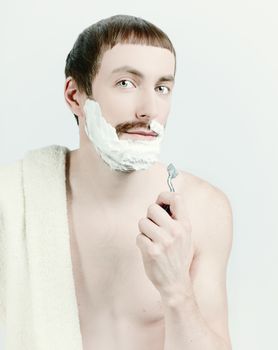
[142,132]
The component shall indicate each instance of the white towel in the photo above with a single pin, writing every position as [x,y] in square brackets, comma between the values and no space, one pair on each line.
[38,306]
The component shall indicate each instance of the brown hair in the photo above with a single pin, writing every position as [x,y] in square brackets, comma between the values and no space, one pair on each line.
[84,59]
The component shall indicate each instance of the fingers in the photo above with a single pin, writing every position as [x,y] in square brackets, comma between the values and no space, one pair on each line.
[158,226]
[159,216]
[151,230]
[177,206]
[174,200]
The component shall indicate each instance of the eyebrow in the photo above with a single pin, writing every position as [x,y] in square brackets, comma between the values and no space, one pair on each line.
[131,70]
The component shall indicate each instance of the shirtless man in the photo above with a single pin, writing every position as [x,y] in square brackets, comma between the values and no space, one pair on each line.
[144,279]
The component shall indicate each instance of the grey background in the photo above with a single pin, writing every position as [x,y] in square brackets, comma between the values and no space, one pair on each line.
[222,127]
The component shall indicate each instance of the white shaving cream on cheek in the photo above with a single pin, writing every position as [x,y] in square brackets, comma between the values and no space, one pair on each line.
[122,155]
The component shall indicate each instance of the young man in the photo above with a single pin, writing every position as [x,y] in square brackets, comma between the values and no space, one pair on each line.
[99,262]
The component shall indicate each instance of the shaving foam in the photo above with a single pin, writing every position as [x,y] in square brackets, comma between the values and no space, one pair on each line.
[122,155]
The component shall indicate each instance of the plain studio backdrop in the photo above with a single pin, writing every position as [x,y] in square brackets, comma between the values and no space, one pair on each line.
[222,127]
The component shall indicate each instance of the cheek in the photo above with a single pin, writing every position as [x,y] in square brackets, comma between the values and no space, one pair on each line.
[163,112]
[117,108]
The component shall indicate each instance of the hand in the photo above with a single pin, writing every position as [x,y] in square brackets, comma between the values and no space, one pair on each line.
[165,243]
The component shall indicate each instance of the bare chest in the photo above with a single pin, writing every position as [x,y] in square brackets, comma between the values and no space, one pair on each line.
[114,295]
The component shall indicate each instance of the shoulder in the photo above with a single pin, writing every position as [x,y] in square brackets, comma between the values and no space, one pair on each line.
[201,191]
[33,165]
[210,211]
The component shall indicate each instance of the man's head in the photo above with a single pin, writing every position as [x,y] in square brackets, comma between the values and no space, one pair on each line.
[127,65]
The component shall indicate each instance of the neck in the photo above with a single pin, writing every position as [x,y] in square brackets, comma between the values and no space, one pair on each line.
[92,180]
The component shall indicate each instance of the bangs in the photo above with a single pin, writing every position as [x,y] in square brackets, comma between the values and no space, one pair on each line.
[135,30]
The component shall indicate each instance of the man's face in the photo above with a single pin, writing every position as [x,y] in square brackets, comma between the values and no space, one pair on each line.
[134,85]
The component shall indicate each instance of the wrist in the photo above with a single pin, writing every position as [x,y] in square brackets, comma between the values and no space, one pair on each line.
[179,294]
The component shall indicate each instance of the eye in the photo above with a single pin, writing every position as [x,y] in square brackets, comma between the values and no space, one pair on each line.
[165,90]
[124,85]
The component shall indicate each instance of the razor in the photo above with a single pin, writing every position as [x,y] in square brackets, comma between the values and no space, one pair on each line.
[172,173]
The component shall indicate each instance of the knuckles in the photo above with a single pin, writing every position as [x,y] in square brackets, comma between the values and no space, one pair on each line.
[141,223]
[167,243]
[151,209]
[177,232]
[154,252]
[181,228]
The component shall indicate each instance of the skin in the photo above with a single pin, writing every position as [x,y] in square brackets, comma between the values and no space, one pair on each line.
[130,258]
[139,102]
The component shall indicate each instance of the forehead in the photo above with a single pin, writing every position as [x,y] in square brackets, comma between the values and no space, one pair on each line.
[147,59]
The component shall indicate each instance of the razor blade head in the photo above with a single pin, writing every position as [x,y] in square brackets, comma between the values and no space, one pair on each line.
[172,171]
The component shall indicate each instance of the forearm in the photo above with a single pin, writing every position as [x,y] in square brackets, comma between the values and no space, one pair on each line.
[185,329]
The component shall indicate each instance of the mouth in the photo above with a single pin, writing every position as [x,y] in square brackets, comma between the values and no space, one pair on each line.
[140,136]
[142,133]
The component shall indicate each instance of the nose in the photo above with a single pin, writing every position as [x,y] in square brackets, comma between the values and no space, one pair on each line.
[147,106]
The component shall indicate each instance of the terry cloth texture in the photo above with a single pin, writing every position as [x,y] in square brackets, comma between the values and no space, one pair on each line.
[38,306]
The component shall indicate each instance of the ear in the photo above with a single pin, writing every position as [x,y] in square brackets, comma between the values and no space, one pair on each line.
[74,98]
